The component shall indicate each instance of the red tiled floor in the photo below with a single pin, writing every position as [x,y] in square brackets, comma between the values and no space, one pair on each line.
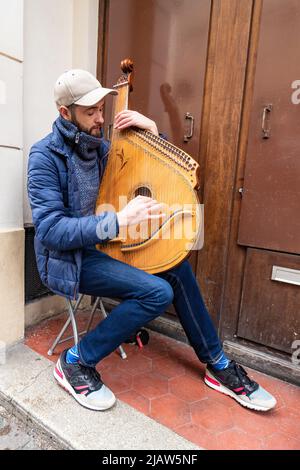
[150,385]
[170,411]
[136,400]
[164,380]
[279,441]
[213,416]
[119,380]
[199,435]
[187,388]
[168,366]
[235,439]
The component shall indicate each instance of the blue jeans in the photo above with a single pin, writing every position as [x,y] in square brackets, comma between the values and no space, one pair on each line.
[143,297]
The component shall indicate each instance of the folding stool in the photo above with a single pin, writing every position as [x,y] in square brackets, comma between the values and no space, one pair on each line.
[73,310]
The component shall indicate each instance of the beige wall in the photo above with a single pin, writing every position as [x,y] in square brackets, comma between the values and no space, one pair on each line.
[11,172]
[11,285]
[38,41]
[58,35]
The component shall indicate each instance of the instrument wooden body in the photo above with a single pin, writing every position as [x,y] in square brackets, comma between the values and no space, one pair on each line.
[141,163]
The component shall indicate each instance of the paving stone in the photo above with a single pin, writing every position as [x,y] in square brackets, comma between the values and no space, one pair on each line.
[16,435]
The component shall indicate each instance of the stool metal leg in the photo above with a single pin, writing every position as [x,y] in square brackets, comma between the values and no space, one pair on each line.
[72,312]
[99,302]
[73,321]
[92,314]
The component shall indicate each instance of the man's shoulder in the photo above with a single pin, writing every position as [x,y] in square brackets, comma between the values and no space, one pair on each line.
[51,146]
[41,146]
[43,155]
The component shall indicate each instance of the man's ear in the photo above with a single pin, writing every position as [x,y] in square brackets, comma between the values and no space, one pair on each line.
[65,113]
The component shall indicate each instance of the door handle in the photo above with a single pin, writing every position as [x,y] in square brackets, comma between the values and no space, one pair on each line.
[265,125]
[188,136]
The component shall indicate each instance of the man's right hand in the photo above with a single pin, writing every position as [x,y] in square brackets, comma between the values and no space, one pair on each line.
[138,210]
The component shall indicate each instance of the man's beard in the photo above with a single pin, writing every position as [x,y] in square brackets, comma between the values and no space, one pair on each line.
[94,131]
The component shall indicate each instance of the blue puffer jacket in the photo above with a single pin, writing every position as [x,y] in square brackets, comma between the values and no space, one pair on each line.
[60,230]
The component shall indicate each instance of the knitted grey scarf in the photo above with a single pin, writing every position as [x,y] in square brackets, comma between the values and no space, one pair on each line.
[85,160]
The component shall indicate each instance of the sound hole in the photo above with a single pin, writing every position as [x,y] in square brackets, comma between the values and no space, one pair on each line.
[143,191]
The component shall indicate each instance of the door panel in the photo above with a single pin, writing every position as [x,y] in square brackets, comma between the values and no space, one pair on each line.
[270,207]
[167,40]
[270,211]
[269,309]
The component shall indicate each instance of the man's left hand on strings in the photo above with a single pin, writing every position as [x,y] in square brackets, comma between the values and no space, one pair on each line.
[129,118]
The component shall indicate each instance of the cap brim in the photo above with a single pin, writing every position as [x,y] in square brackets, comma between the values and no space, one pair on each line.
[95,96]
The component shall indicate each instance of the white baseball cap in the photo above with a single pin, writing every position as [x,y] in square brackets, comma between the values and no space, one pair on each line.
[79,87]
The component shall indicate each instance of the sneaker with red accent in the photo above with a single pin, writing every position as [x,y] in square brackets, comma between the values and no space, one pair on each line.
[84,384]
[234,382]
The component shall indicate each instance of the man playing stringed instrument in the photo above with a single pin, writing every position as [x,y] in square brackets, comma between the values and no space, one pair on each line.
[64,174]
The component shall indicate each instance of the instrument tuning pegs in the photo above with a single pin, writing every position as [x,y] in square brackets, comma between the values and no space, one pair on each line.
[127,68]
[127,65]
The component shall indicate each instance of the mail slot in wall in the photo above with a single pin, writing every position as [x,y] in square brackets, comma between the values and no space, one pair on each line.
[291,276]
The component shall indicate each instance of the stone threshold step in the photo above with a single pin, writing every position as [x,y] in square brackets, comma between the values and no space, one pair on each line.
[28,390]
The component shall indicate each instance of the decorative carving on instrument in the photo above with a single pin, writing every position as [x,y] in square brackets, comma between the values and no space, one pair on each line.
[121,155]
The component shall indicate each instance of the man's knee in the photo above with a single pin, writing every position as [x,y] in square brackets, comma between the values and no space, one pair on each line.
[162,293]
[167,294]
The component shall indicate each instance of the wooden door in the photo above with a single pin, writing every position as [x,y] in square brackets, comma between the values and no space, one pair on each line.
[167,40]
[270,209]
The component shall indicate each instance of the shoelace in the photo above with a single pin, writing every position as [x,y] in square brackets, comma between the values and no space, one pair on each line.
[243,376]
[91,372]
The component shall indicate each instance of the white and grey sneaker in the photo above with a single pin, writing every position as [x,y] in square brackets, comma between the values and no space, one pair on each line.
[235,382]
[84,384]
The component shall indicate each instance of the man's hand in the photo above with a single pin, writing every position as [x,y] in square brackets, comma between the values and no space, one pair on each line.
[128,118]
[138,210]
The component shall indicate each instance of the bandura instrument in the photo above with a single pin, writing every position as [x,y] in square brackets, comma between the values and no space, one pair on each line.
[141,163]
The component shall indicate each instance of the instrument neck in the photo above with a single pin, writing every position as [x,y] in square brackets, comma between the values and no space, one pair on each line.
[121,100]
[120,104]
